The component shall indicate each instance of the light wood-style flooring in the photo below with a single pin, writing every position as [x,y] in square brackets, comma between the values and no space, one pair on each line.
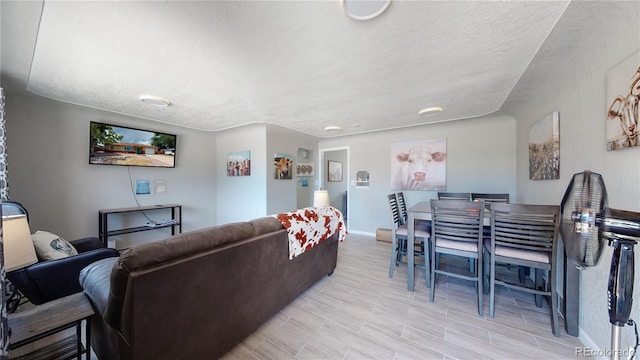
[360,313]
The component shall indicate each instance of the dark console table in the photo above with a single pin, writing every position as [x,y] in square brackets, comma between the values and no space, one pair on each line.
[175,222]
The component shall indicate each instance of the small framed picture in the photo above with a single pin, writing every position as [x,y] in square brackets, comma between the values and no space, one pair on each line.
[335,171]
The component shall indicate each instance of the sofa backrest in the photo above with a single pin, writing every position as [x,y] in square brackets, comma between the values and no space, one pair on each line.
[177,248]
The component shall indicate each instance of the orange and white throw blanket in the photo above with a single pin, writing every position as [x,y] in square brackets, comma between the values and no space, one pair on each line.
[310,226]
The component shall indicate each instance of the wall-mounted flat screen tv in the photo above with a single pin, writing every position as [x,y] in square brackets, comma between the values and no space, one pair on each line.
[120,145]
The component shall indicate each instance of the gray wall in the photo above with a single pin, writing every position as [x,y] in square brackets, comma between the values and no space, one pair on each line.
[282,194]
[49,171]
[574,83]
[242,197]
[247,197]
[481,157]
[305,193]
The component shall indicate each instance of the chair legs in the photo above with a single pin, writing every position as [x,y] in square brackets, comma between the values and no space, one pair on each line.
[540,289]
[399,250]
[476,276]
[396,254]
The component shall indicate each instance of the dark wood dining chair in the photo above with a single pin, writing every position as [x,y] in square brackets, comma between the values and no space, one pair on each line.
[525,235]
[454,196]
[488,198]
[456,229]
[503,198]
[404,215]
[399,237]
[402,207]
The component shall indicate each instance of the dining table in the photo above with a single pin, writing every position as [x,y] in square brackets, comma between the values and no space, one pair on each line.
[422,211]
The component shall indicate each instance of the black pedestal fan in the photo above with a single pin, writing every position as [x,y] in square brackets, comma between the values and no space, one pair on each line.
[586,222]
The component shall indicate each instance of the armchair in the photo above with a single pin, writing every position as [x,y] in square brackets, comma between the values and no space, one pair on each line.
[48,280]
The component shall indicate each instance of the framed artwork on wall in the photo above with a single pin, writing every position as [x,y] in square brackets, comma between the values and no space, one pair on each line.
[362,179]
[239,163]
[335,171]
[623,102]
[305,169]
[544,148]
[419,165]
[282,164]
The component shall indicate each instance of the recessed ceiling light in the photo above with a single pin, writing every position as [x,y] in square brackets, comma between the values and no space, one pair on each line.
[332,128]
[365,9]
[155,100]
[430,111]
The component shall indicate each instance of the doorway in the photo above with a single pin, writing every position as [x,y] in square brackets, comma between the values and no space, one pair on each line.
[335,177]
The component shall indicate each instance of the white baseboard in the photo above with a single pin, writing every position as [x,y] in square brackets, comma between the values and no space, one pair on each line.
[591,345]
[362,233]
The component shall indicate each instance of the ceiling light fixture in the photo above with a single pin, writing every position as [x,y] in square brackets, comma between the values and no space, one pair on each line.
[364,9]
[332,128]
[430,111]
[155,100]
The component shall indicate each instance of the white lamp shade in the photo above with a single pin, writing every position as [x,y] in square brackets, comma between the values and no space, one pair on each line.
[18,249]
[321,198]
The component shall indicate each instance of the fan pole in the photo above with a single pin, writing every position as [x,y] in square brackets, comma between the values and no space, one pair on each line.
[615,341]
[620,289]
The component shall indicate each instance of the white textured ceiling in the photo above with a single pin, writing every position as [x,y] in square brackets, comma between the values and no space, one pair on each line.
[302,65]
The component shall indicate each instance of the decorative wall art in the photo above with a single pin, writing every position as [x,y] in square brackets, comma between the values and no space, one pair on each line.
[544,148]
[239,163]
[623,101]
[282,165]
[362,179]
[143,187]
[419,165]
[305,169]
[335,171]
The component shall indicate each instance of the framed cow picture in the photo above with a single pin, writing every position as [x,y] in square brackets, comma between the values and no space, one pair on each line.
[282,166]
[419,165]
[623,101]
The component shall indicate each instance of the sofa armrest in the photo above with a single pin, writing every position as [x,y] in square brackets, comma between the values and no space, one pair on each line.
[95,279]
[87,244]
[53,279]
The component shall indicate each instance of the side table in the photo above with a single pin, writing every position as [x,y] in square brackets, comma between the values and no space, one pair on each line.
[50,318]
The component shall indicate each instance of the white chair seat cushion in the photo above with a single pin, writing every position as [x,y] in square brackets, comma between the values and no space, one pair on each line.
[457,245]
[530,255]
[402,231]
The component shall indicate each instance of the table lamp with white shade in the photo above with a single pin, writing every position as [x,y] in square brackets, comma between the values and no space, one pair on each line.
[19,251]
[321,198]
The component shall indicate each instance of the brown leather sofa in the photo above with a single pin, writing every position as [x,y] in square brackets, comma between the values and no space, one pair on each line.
[198,294]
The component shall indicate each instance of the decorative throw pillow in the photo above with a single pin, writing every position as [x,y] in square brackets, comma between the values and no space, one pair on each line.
[51,246]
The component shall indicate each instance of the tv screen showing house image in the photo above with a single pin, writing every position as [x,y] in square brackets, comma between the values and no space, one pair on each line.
[119,145]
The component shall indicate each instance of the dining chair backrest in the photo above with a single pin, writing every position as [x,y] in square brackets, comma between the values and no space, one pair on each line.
[402,207]
[457,220]
[525,227]
[457,229]
[526,235]
[454,196]
[395,211]
[490,198]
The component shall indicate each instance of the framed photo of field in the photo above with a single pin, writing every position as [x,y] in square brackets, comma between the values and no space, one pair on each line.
[544,148]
